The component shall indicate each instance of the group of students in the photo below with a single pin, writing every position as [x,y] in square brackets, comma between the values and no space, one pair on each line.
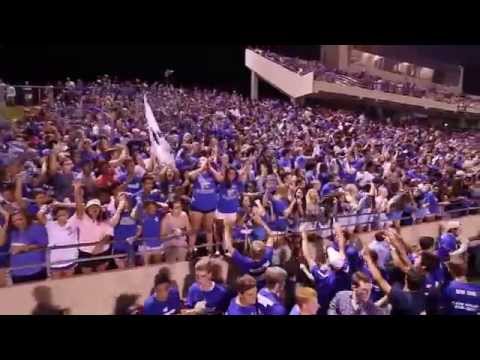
[81,185]
[341,278]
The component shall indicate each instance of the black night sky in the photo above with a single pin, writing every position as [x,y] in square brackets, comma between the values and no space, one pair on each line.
[221,66]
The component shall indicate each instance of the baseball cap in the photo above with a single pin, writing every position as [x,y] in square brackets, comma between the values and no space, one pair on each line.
[335,259]
[93,202]
[452,225]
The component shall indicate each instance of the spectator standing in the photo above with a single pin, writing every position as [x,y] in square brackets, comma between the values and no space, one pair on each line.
[165,299]
[61,231]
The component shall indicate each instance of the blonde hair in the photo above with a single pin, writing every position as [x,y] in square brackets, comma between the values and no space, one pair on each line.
[258,249]
[312,197]
[303,295]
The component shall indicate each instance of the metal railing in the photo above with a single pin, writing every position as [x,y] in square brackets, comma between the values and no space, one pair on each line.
[318,228]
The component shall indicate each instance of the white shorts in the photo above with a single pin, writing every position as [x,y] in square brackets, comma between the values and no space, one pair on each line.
[230,217]
[145,248]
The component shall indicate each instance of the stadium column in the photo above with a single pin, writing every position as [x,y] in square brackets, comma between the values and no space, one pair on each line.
[2,93]
[254,86]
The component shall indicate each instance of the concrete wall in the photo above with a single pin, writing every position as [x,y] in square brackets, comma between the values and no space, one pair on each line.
[287,81]
[94,294]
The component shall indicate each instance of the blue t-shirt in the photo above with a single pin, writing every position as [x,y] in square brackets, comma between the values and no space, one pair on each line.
[32,209]
[127,227]
[151,229]
[447,244]
[328,282]
[269,303]
[285,163]
[229,198]
[300,162]
[327,189]
[204,195]
[154,195]
[432,202]
[169,307]
[462,298]
[235,309]
[35,234]
[215,299]
[254,268]
[279,207]
[134,185]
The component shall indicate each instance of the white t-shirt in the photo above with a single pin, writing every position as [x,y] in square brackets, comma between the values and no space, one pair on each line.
[90,231]
[59,236]
[363,178]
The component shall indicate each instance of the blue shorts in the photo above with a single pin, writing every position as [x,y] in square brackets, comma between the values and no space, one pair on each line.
[203,211]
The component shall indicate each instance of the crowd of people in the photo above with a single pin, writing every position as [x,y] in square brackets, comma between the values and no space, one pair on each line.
[248,178]
[365,80]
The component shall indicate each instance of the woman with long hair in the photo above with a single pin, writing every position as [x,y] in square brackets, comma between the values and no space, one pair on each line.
[283,208]
[28,242]
[204,201]
[230,191]
[93,228]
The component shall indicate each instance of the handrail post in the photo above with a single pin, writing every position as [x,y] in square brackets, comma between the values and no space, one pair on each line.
[47,258]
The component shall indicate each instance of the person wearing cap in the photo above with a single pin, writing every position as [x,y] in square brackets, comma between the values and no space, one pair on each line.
[449,244]
[93,228]
[332,275]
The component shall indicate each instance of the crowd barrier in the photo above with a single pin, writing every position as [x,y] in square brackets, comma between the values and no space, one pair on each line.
[325,230]
[95,293]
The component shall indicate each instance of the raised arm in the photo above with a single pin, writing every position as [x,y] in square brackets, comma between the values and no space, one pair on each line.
[42,215]
[306,251]
[217,175]
[271,238]
[340,238]
[18,191]
[227,238]
[79,205]
[376,274]
[194,174]
[53,162]
[115,219]
[397,242]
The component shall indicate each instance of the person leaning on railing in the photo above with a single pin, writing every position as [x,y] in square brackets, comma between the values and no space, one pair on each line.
[93,228]
[28,243]
[61,231]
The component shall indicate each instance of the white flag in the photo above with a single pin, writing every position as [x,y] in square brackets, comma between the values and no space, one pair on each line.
[161,148]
